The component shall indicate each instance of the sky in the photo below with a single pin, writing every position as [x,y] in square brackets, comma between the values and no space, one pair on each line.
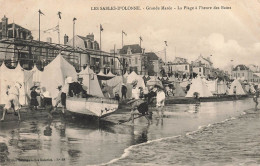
[226,34]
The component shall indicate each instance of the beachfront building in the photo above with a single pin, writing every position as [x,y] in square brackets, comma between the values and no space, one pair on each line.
[94,61]
[12,32]
[242,72]
[132,58]
[180,66]
[154,64]
[202,66]
[256,77]
[17,45]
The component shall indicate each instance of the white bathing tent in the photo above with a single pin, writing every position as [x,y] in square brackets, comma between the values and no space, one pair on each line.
[178,91]
[90,80]
[212,85]
[222,87]
[37,74]
[133,76]
[55,73]
[197,85]
[8,77]
[239,89]
[116,82]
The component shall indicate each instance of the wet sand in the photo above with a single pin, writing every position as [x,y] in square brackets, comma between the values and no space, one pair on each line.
[75,140]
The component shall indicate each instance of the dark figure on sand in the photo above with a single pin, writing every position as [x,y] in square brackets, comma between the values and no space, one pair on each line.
[255,98]
[34,102]
[124,91]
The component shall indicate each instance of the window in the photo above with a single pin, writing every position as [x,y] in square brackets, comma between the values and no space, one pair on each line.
[199,69]
[238,74]
[186,67]
[242,74]
[112,61]
[135,60]
[130,61]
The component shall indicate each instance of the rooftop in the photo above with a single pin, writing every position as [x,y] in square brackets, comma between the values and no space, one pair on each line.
[135,48]
[240,67]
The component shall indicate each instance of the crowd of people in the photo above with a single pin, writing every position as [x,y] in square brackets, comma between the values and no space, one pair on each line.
[41,98]
[140,100]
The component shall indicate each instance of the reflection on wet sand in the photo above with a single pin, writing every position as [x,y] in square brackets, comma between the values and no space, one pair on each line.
[82,141]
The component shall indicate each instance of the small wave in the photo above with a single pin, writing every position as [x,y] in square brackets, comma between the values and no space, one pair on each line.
[188,134]
[128,150]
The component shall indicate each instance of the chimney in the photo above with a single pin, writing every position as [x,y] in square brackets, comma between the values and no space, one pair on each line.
[4,27]
[90,36]
[66,39]
[49,39]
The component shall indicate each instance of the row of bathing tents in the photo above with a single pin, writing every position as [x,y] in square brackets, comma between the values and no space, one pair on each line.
[208,88]
[54,74]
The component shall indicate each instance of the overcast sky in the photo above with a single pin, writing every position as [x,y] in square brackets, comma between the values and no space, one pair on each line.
[225,34]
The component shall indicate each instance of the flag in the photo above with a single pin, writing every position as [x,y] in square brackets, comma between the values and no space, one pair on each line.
[166,43]
[124,33]
[74,19]
[40,12]
[101,28]
[141,38]
[59,14]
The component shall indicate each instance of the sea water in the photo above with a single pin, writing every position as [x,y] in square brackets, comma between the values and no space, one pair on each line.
[213,133]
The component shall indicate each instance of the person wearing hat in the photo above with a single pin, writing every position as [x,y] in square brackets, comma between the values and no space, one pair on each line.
[13,100]
[135,90]
[34,102]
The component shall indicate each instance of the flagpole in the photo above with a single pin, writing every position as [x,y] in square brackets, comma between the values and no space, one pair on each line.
[140,41]
[114,58]
[100,48]
[122,39]
[39,25]
[59,31]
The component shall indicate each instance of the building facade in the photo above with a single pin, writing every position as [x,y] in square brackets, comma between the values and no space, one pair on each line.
[242,72]
[179,65]
[13,30]
[202,66]
[133,58]
[88,42]
[154,64]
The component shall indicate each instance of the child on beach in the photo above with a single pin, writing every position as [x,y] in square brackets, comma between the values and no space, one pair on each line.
[34,102]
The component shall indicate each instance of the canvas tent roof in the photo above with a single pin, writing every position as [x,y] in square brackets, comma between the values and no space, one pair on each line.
[102,76]
[116,83]
[178,91]
[239,88]
[222,87]
[91,82]
[10,77]
[200,87]
[133,76]
[55,73]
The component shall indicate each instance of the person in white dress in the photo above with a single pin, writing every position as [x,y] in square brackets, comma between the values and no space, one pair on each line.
[13,100]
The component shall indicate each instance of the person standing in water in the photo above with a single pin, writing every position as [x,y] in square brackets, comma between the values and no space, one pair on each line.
[255,98]
[160,100]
